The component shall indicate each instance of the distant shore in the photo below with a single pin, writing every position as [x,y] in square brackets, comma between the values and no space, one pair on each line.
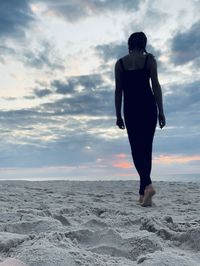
[155,178]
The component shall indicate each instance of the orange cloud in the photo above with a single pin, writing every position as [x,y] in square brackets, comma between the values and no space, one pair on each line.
[176,158]
[121,155]
[123,165]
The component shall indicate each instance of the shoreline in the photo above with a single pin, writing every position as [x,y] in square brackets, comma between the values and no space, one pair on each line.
[98,180]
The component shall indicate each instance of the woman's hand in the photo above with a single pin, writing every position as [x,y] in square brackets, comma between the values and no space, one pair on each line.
[120,123]
[161,118]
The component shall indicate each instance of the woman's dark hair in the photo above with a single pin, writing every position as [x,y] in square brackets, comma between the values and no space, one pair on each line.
[137,40]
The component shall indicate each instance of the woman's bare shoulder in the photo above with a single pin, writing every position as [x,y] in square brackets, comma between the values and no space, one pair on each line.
[151,56]
[122,58]
[151,60]
[118,63]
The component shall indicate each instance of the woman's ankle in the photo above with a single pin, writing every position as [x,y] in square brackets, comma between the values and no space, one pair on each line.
[149,186]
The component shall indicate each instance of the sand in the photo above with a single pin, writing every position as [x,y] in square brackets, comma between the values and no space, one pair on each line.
[99,223]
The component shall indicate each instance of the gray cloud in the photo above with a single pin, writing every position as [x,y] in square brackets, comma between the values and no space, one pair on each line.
[184,97]
[87,94]
[71,85]
[10,98]
[58,127]
[185,45]
[93,103]
[6,51]
[97,98]
[42,57]
[37,135]
[88,83]
[114,51]
[76,10]
[111,51]
[170,142]
[15,16]
[41,92]
[40,134]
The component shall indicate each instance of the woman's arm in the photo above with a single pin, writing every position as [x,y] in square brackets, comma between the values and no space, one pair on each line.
[118,96]
[157,90]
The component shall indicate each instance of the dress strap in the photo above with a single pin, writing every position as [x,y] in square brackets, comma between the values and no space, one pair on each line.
[121,64]
[145,63]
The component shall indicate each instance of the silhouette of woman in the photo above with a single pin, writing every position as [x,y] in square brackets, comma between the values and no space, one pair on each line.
[142,104]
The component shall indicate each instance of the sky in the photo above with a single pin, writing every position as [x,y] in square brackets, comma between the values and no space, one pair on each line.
[57,113]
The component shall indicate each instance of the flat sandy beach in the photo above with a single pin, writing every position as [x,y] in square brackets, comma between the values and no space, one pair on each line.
[99,223]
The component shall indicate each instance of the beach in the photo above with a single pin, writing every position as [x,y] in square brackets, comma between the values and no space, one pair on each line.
[46,223]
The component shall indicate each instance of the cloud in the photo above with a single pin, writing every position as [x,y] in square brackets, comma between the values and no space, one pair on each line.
[38,135]
[185,46]
[6,51]
[94,103]
[114,51]
[86,119]
[41,92]
[168,159]
[74,86]
[15,16]
[91,95]
[181,108]
[44,56]
[86,83]
[73,11]
[183,98]
[85,94]
[75,123]
[41,57]
[111,51]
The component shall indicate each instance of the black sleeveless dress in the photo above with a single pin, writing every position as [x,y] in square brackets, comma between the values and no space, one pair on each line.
[140,115]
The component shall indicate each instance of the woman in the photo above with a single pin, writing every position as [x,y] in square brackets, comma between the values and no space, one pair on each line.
[142,105]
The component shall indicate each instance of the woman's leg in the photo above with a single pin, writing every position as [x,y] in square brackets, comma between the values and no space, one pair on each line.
[141,147]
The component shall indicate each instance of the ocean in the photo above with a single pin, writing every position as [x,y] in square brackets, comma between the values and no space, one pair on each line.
[167,177]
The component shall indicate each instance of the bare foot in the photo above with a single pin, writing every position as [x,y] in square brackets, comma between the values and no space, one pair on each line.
[141,198]
[148,194]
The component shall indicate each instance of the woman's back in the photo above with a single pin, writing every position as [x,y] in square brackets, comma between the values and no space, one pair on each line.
[135,81]
[134,61]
